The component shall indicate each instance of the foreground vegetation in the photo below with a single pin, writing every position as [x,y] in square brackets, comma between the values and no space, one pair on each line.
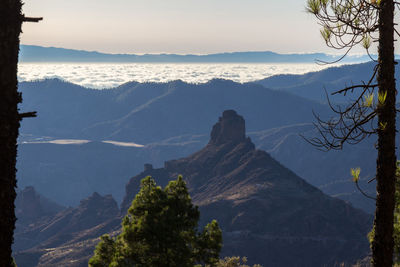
[160,229]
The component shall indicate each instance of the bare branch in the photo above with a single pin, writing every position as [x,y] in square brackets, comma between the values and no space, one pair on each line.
[30,19]
[363,192]
[27,115]
[344,90]
[321,62]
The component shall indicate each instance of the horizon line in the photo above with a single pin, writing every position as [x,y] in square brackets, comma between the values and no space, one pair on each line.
[199,54]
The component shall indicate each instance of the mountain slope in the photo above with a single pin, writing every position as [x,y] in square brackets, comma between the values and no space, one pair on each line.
[266,211]
[189,109]
[312,85]
[68,173]
[150,112]
[327,170]
[68,237]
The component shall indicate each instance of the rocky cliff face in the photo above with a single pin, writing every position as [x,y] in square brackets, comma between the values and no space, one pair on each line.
[267,212]
[30,206]
[229,129]
[32,209]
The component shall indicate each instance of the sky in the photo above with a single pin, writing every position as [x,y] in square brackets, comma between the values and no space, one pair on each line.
[174,26]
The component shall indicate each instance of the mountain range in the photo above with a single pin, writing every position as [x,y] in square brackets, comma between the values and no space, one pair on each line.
[149,112]
[171,120]
[86,141]
[266,211]
[319,85]
[32,53]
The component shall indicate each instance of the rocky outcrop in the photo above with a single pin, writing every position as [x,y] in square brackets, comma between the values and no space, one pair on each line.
[229,128]
[267,212]
[68,236]
[32,209]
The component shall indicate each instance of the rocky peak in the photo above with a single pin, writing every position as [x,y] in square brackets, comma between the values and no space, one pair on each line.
[91,212]
[99,205]
[229,129]
[28,204]
[148,167]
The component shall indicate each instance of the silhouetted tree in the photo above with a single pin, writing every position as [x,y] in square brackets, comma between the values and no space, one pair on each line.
[11,19]
[161,230]
[347,23]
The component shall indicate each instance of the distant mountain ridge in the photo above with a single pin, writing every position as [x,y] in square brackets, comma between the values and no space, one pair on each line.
[318,85]
[175,108]
[32,53]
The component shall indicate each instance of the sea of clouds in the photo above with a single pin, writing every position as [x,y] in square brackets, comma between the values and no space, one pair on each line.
[108,75]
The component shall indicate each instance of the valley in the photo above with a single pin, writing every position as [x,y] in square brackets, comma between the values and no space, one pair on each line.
[86,140]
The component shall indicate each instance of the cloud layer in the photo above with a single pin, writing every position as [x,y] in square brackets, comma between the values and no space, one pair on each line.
[102,76]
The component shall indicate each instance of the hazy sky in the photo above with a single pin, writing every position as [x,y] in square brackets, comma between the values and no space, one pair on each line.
[173,26]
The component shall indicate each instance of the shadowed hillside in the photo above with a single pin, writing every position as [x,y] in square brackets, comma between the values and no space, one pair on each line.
[313,85]
[150,112]
[327,170]
[266,211]
[65,238]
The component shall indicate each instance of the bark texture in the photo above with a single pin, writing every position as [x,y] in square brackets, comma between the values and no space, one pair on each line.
[10,28]
[382,246]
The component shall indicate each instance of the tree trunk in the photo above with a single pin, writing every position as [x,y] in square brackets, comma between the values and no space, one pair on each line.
[10,28]
[382,246]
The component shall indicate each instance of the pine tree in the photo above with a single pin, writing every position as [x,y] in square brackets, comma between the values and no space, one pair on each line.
[11,20]
[347,23]
[10,28]
[160,229]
